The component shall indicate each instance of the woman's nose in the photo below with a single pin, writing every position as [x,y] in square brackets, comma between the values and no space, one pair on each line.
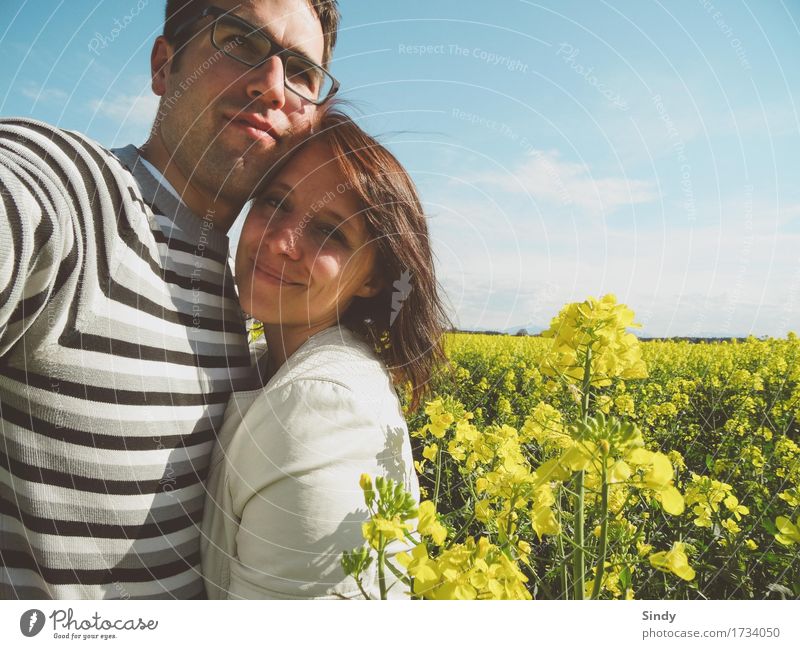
[284,237]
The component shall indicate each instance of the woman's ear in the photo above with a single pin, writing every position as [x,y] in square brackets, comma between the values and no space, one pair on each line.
[373,285]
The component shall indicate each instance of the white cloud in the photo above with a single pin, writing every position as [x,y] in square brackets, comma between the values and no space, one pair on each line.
[546,177]
[726,279]
[131,110]
[44,95]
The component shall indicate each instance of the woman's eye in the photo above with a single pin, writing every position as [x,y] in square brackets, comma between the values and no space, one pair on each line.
[331,233]
[275,201]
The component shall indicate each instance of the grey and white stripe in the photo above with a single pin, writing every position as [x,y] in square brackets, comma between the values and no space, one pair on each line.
[121,340]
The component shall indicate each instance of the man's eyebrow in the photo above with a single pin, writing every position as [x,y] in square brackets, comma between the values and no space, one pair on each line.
[268,33]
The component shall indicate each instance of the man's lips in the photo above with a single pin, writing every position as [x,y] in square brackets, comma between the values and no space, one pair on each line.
[254,124]
[268,273]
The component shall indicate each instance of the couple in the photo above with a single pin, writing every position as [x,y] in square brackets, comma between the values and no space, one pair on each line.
[144,454]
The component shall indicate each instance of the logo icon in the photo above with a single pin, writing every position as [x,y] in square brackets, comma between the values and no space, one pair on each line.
[31,622]
[402,289]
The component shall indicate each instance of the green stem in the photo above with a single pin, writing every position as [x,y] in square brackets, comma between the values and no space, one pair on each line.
[560,546]
[361,588]
[463,529]
[587,385]
[601,561]
[563,569]
[438,478]
[579,562]
[381,573]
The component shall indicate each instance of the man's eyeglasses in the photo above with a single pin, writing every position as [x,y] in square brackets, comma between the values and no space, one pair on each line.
[247,44]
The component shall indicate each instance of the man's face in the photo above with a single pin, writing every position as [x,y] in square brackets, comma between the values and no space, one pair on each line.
[224,124]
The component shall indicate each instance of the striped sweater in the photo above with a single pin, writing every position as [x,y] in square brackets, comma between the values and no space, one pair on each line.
[121,340]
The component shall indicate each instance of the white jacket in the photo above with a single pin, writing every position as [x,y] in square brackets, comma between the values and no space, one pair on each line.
[284,499]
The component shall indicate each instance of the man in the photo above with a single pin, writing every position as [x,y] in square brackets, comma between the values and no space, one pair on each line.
[120,333]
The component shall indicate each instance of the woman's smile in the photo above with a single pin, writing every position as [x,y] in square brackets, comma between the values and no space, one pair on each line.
[269,275]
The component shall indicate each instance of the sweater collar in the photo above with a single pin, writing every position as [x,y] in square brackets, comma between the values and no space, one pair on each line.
[161,200]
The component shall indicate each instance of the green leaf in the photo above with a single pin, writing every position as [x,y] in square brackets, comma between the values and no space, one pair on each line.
[769,526]
[625,577]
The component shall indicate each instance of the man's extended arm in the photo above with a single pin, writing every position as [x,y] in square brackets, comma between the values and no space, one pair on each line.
[36,228]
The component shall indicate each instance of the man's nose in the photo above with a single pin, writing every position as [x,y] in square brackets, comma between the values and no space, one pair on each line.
[267,83]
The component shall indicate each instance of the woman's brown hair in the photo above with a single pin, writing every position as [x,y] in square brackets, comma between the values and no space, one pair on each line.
[407,319]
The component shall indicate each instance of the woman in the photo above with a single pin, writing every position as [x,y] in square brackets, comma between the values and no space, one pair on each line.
[335,260]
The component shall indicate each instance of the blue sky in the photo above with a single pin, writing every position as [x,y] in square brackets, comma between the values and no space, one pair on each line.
[562,148]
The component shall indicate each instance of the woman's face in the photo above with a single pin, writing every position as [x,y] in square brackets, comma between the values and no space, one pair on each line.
[305,253]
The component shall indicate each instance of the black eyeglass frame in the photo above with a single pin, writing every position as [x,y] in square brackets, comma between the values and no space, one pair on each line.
[279,51]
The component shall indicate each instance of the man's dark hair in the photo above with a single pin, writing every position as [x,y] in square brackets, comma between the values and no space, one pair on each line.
[181,11]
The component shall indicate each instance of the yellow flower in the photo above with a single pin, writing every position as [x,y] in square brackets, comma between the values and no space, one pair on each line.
[440,419]
[596,327]
[730,525]
[791,496]
[788,532]
[660,474]
[751,544]
[671,500]
[732,503]
[365,482]
[524,549]
[643,549]
[421,567]
[429,452]
[544,521]
[482,510]
[379,530]
[468,570]
[428,523]
[675,561]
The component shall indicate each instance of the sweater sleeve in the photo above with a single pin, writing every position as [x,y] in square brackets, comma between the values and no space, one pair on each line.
[36,227]
[295,488]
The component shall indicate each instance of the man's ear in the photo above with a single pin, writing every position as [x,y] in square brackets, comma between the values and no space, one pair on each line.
[160,63]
